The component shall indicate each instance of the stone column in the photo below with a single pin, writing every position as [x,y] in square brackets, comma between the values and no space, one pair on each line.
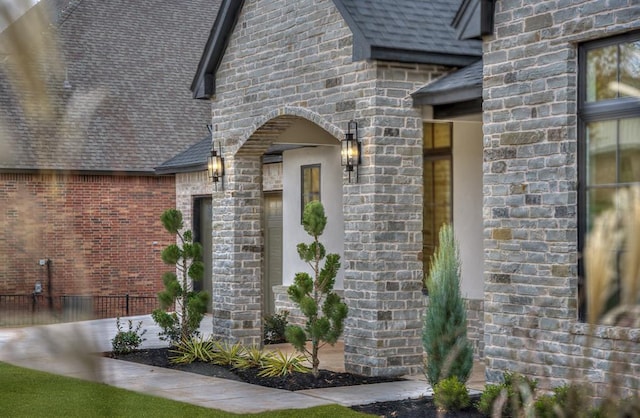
[237,252]
[383,252]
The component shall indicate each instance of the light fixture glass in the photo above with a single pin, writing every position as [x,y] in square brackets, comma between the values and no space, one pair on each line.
[215,166]
[350,152]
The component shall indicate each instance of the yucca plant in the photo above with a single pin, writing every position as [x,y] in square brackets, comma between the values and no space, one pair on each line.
[193,349]
[251,357]
[226,354]
[282,364]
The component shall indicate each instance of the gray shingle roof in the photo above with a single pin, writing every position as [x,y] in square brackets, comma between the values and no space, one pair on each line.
[415,31]
[192,159]
[461,85]
[408,30]
[129,108]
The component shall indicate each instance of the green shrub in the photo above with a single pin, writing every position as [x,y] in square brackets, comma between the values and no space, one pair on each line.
[507,399]
[451,395]
[322,307]
[449,352]
[489,396]
[281,364]
[189,305]
[127,341]
[193,349]
[274,327]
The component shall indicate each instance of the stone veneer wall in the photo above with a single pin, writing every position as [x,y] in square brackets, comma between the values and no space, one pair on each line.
[530,195]
[274,71]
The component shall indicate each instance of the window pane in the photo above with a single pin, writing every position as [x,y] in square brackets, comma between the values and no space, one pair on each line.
[630,150]
[437,203]
[602,70]
[442,135]
[602,144]
[427,135]
[436,135]
[310,182]
[599,199]
[630,69]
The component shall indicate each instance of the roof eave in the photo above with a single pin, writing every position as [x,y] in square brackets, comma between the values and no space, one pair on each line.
[191,168]
[203,84]
[448,96]
[421,57]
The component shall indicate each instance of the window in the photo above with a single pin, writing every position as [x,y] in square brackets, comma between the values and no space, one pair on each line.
[609,129]
[438,181]
[310,182]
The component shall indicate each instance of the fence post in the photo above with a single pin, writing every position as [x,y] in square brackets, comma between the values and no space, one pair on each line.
[127,303]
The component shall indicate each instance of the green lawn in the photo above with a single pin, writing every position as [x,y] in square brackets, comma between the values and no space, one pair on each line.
[29,393]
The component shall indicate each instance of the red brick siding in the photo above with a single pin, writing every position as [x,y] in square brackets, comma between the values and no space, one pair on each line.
[102,233]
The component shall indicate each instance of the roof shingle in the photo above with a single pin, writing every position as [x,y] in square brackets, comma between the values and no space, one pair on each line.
[128,107]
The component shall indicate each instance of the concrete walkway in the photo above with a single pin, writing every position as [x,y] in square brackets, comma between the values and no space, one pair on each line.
[69,350]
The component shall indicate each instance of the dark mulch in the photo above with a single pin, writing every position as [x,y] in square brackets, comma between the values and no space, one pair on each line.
[297,381]
[415,408]
[408,408]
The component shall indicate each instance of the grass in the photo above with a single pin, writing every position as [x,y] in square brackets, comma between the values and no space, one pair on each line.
[30,393]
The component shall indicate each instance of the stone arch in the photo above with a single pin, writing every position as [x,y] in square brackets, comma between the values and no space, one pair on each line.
[261,134]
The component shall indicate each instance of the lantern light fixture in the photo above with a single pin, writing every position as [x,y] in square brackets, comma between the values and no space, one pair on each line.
[350,152]
[215,166]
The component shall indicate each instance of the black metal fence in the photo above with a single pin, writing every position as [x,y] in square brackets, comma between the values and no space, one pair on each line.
[39,309]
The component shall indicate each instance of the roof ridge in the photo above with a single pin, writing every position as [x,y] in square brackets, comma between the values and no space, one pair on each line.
[66,12]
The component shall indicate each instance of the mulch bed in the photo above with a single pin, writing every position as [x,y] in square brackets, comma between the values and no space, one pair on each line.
[407,408]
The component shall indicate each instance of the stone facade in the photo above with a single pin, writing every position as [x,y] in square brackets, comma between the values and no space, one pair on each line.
[272,73]
[530,195]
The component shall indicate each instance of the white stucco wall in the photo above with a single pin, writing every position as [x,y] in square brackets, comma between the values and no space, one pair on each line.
[467,204]
[331,195]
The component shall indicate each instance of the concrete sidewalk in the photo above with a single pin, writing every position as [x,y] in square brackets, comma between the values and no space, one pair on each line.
[70,350]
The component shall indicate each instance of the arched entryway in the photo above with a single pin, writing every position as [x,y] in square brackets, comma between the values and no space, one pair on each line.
[244,247]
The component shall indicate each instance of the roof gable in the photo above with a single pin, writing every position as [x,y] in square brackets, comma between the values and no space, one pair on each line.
[389,30]
[407,31]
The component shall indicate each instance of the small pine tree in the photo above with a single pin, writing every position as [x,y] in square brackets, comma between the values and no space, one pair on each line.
[311,293]
[449,352]
[190,305]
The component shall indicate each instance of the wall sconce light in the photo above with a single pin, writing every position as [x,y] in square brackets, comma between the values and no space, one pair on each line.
[350,152]
[215,166]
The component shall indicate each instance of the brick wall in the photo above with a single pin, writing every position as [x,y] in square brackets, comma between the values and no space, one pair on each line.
[102,233]
[530,193]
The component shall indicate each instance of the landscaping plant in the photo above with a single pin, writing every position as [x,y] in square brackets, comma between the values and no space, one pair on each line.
[127,341]
[282,364]
[190,305]
[274,327]
[449,352]
[451,394]
[191,349]
[322,307]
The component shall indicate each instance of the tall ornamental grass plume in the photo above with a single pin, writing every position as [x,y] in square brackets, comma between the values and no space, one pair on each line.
[612,263]
[449,352]
[190,305]
[324,310]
